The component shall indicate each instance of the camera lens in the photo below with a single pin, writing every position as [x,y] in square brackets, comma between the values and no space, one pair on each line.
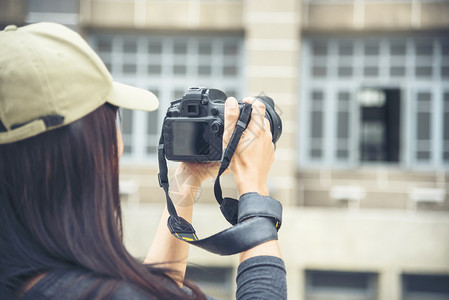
[216,127]
[273,117]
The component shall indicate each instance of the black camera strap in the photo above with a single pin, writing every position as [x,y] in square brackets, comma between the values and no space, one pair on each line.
[255,218]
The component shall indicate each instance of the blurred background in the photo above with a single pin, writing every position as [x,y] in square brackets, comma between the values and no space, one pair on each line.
[362,167]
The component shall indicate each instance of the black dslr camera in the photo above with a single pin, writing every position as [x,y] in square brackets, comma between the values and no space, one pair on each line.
[193,126]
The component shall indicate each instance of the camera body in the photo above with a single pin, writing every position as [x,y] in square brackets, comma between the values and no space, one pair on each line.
[193,126]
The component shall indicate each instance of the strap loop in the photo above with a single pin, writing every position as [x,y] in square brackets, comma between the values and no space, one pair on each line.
[181,229]
[229,208]
[255,205]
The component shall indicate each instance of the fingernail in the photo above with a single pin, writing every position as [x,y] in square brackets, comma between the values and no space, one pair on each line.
[231,103]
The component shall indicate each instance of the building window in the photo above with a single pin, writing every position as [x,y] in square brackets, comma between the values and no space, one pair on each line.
[429,287]
[334,285]
[446,127]
[60,11]
[167,66]
[374,101]
[216,282]
[379,125]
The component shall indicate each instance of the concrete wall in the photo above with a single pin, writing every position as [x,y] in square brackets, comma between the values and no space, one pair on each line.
[166,15]
[375,16]
[386,242]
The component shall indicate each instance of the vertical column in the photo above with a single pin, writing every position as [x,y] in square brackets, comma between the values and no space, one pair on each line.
[272,52]
[389,285]
[85,7]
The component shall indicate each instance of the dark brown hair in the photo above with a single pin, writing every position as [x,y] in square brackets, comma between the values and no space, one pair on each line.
[60,209]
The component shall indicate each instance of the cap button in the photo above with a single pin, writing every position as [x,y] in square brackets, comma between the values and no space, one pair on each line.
[11,28]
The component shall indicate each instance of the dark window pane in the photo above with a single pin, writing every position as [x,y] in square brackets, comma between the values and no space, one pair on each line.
[319,71]
[423,126]
[230,70]
[371,71]
[379,125]
[230,49]
[446,118]
[317,98]
[398,50]
[180,48]
[205,48]
[211,274]
[214,281]
[316,130]
[346,50]
[104,45]
[342,154]
[344,96]
[319,49]
[372,50]
[152,122]
[446,156]
[343,125]
[154,69]
[126,121]
[446,124]
[339,280]
[204,70]
[155,48]
[150,149]
[130,47]
[423,155]
[373,140]
[127,149]
[423,71]
[445,50]
[344,71]
[317,95]
[424,97]
[397,71]
[316,153]
[129,68]
[445,72]
[424,49]
[179,69]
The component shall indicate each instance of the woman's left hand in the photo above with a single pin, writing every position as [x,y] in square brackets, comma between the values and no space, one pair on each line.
[187,180]
[200,171]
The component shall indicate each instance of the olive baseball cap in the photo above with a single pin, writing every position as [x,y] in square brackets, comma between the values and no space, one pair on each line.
[50,77]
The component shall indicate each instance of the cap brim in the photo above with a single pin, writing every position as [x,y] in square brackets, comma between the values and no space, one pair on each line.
[130,97]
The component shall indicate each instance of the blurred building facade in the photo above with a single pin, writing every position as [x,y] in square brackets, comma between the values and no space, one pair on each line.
[362,87]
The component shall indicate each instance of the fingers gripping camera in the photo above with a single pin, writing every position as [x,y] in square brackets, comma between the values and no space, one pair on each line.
[193,126]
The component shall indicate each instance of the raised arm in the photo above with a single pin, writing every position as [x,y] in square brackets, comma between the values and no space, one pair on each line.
[252,160]
[184,185]
[261,273]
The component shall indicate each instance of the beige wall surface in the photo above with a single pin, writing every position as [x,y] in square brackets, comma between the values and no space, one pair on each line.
[386,242]
[166,15]
[379,16]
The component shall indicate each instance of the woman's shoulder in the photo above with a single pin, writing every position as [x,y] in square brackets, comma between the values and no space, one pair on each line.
[80,284]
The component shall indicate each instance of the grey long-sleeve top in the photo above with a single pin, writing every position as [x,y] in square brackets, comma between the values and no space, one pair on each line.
[261,277]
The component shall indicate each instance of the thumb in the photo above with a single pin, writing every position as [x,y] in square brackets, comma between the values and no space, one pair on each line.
[232,113]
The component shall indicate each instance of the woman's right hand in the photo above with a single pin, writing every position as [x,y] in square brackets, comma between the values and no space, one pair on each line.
[254,155]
